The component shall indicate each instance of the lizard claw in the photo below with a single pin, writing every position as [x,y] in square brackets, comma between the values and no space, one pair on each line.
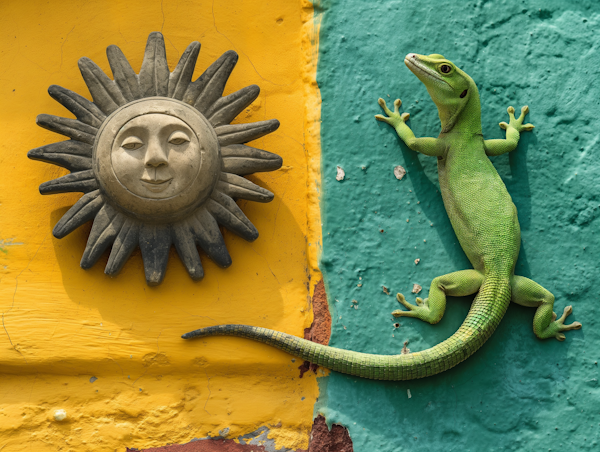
[404,303]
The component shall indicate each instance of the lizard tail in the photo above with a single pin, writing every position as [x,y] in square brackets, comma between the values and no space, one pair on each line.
[485,314]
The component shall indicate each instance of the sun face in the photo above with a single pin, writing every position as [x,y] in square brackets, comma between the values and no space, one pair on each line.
[157,160]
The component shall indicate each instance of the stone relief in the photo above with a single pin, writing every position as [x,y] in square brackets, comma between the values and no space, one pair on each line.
[157,160]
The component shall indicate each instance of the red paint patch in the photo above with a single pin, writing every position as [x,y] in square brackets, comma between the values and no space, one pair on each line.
[324,440]
[320,330]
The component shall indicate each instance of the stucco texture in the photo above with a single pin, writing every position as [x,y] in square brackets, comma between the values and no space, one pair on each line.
[517,392]
[108,350]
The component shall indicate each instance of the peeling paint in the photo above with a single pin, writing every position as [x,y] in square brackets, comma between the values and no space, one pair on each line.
[5,243]
[320,329]
[256,441]
[324,440]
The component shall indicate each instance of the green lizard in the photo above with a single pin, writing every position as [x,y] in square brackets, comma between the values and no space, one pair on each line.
[485,221]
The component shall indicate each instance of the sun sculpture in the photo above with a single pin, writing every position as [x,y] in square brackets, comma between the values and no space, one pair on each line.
[157,160]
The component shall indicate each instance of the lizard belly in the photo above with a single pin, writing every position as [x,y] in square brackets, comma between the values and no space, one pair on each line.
[481,211]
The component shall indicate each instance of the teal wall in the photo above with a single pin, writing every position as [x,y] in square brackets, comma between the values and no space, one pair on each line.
[517,392]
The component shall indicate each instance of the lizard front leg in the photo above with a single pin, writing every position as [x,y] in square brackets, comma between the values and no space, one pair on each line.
[427,146]
[513,133]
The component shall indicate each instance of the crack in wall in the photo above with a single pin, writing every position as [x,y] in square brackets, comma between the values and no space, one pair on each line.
[240,51]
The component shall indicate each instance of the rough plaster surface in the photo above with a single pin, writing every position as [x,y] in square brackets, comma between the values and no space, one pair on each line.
[516,393]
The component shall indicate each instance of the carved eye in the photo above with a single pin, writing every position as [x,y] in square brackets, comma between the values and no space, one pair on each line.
[132,143]
[445,68]
[178,138]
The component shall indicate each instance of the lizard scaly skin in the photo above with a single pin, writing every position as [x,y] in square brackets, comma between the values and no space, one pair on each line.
[485,221]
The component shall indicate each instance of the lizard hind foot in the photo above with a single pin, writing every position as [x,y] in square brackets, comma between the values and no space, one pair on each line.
[557,326]
[419,311]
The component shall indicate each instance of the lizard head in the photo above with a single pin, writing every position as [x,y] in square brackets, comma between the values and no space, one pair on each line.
[450,88]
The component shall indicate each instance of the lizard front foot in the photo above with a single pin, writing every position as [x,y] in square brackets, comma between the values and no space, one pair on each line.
[517,124]
[393,118]
[419,311]
[557,326]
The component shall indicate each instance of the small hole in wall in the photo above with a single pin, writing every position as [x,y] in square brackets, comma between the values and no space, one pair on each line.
[397,325]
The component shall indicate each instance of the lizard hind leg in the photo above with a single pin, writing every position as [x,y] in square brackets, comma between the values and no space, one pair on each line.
[431,309]
[545,324]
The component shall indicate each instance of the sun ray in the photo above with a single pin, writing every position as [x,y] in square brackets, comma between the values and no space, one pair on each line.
[242,133]
[105,92]
[124,75]
[184,242]
[83,211]
[72,155]
[239,187]
[210,85]
[228,214]
[154,75]
[107,224]
[68,127]
[127,240]
[181,77]
[208,236]
[155,242]
[241,160]
[225,109]
[84,110]
[82,181]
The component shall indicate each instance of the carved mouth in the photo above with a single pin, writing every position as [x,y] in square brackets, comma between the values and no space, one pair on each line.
[156,185]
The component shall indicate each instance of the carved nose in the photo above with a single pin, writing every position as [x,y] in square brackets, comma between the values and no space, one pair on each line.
[155,155]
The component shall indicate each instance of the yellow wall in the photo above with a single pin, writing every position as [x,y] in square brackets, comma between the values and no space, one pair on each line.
[62,325]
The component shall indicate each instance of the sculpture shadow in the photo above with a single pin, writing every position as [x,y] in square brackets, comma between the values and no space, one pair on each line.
[241,293]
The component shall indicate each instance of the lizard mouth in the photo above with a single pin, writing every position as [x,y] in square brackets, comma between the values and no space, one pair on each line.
[416,67]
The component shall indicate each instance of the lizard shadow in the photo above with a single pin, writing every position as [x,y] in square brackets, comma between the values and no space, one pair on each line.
[512,167]
[432,204]
[518,187]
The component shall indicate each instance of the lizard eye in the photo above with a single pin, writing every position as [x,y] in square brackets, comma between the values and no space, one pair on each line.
[445,68]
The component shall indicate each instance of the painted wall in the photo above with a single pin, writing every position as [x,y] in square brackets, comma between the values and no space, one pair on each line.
[108,351]
[517,392]
[63,325]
